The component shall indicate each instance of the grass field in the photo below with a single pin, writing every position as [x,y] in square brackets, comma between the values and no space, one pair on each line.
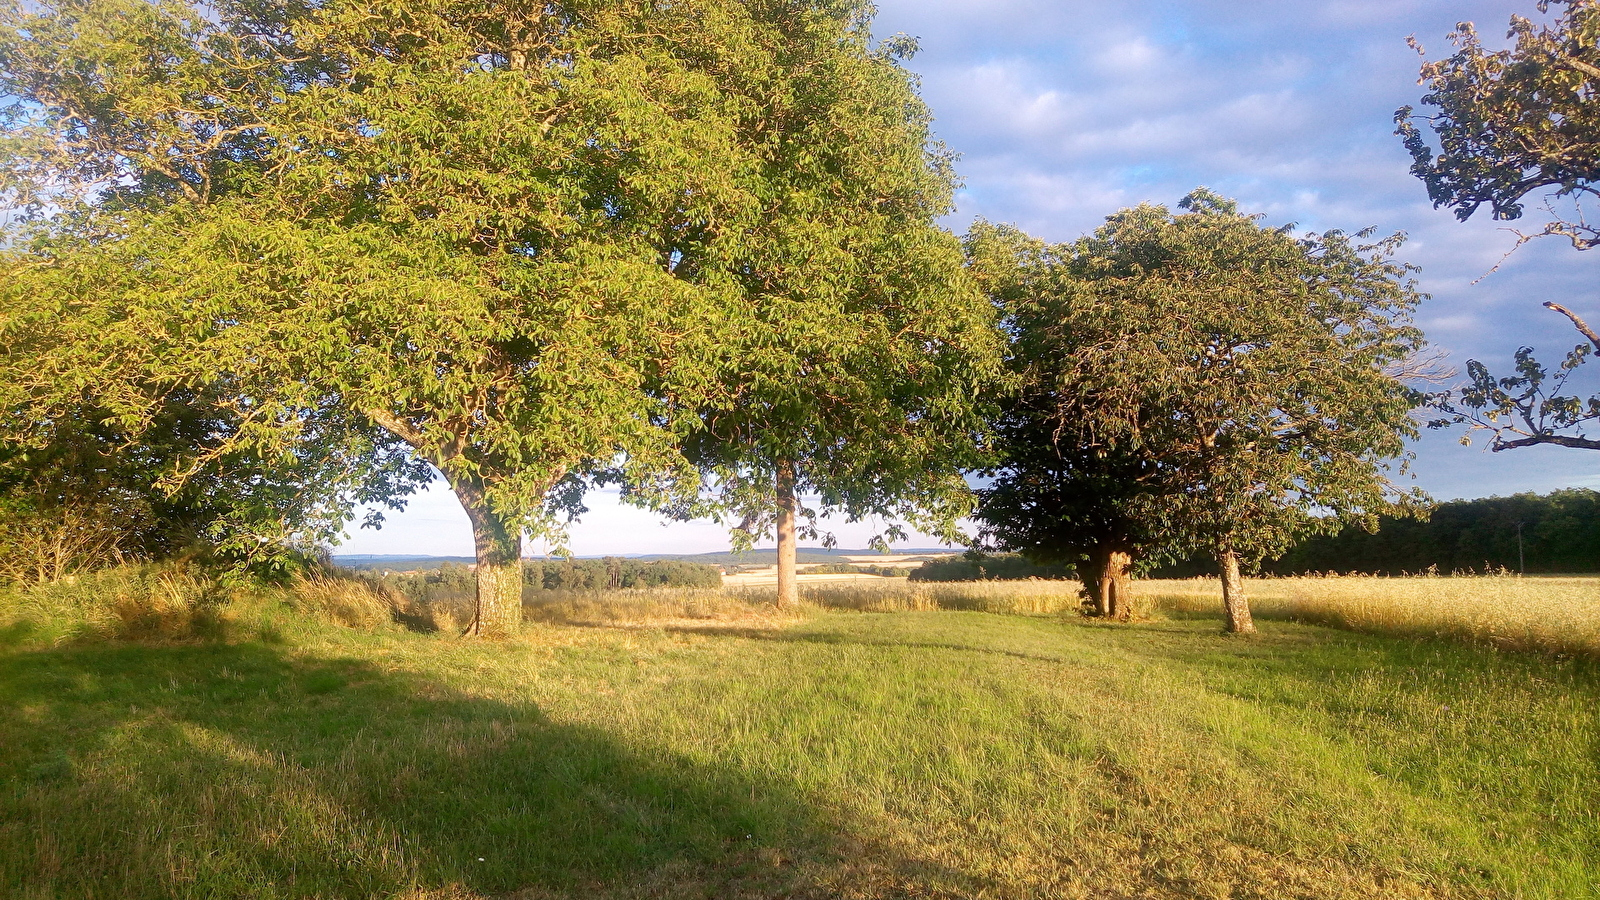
[696,745]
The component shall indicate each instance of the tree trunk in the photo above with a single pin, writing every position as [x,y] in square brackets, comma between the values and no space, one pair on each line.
[499,571]
[1235,607]
[788,585]
[1105,578]
[1114,584]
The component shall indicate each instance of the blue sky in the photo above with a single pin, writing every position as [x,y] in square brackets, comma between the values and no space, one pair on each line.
[1066,110]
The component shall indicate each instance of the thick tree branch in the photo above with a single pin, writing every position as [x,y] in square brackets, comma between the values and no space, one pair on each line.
[1584,67]
[1583,327]
[398,427]
[1577,443]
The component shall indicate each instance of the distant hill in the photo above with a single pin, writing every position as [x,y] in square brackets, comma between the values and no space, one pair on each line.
[397,562]
[402,562]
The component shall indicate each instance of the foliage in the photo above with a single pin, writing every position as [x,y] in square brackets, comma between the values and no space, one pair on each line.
[530,245]
[1053,490]
[1197,381]
[1514,121]
[77,491]
[1511,122]
[38,546]
[456,582]
[614,573]
[1560,533]
[987,567]
[524,244]
[867,343]
[1530,407]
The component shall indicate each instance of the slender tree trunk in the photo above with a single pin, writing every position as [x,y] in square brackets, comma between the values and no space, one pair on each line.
[499,571]
[1105,578]
[788,584]
[498,542]
[1235,607]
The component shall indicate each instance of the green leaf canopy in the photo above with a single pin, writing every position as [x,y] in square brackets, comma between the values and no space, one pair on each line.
[528,240]
[1195,380]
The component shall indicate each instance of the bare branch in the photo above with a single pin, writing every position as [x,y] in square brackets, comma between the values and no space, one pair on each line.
[1429,368]
[1584,67]
[1559,440]
[1583,327]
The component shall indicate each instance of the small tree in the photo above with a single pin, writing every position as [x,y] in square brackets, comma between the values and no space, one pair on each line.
[1236,370]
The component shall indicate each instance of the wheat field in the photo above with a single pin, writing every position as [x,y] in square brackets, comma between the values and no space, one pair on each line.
[1551,614]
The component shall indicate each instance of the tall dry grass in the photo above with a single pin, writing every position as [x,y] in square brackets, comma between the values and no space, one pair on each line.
[1544,614]
[1559,615]
[1548,614]
[1032,597]
[160,602]
[658,606]
[174,602]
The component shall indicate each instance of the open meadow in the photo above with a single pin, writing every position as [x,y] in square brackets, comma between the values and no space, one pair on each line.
[696,744]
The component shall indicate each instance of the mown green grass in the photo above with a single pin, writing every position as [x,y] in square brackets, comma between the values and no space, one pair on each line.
[918,754]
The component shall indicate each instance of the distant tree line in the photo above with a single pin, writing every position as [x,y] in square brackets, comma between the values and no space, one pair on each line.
[613,572]
[1560,535]
[857,569]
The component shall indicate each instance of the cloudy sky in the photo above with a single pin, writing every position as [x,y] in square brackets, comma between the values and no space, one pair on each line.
[1066,110]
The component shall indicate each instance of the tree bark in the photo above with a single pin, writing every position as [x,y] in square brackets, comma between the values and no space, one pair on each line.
[499,571]
[498,543]
[1105,578]
[1235,607]
[788,584]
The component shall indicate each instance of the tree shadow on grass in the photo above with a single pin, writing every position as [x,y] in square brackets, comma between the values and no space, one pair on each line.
[247,771]
[855,640]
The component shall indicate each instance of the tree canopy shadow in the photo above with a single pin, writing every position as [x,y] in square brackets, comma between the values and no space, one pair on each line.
[845,638]
[248,770]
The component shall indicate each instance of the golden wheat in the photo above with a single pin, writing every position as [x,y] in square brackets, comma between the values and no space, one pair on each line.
[1033,597]
[1558,615]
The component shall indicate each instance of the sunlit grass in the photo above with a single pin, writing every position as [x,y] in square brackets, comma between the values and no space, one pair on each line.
[700,744]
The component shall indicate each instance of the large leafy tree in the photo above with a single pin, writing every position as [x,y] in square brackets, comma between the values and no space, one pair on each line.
[867,342]
[1509,124]
[1198,380]
[1052,491]
[514,237]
